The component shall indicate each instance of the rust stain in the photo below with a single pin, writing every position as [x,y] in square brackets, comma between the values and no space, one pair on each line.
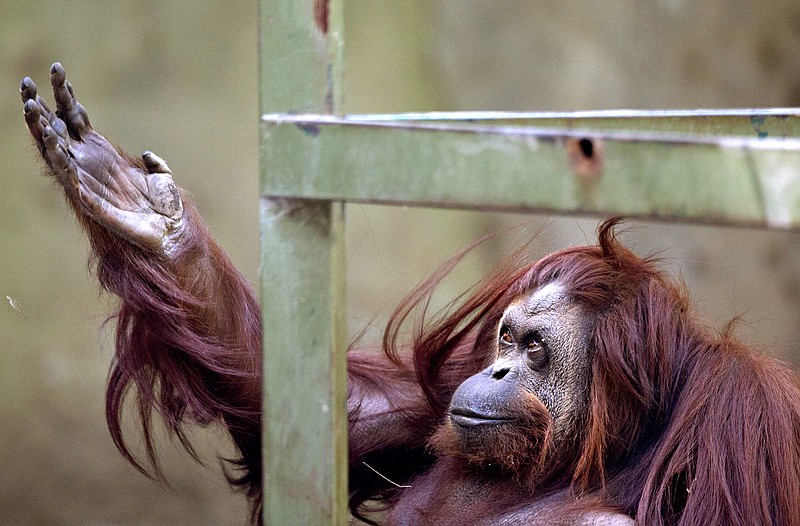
[321,15]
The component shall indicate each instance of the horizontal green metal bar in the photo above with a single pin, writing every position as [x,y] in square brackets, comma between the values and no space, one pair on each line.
[725,179]
[760,123]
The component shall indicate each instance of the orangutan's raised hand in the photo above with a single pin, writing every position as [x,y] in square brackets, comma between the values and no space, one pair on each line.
[135,199]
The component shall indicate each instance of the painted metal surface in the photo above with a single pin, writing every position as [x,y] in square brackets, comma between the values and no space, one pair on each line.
[732,179]
[302,277]
[760,123]
[305,387]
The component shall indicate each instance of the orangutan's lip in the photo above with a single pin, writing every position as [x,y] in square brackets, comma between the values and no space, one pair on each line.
[469,418]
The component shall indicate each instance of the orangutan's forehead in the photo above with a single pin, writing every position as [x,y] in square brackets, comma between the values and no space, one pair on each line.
[540,300]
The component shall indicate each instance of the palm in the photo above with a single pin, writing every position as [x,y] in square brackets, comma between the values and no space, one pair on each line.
[134,199]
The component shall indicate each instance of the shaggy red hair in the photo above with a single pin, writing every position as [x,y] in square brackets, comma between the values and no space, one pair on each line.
[685,426]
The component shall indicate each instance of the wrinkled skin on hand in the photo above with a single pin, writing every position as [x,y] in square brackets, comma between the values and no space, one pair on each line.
[135,199]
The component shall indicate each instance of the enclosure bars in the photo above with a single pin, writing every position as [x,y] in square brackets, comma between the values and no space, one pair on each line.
[729,166]
[302,274]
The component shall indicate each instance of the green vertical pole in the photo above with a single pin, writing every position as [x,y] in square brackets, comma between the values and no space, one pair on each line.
[302,275]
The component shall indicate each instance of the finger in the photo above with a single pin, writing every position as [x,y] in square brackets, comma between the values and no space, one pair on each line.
[57,124]
[29,92]
[57,156]
[155,164]
[67,107]
[27,89]
[33,118]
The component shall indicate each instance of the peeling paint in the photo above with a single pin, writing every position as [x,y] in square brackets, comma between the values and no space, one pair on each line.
[758,123]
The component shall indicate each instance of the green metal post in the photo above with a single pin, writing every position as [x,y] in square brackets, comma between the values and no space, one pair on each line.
[302,273]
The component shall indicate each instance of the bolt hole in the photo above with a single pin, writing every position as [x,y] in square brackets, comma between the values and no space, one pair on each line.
[587,148]
[586,156]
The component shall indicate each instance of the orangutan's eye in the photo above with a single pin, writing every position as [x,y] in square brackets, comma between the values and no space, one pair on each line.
[535,352]
[505,336]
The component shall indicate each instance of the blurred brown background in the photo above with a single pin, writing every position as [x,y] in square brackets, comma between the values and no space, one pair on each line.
[179,77]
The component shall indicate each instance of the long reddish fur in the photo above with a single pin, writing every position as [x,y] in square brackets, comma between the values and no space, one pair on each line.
[686,425]
[188,344]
